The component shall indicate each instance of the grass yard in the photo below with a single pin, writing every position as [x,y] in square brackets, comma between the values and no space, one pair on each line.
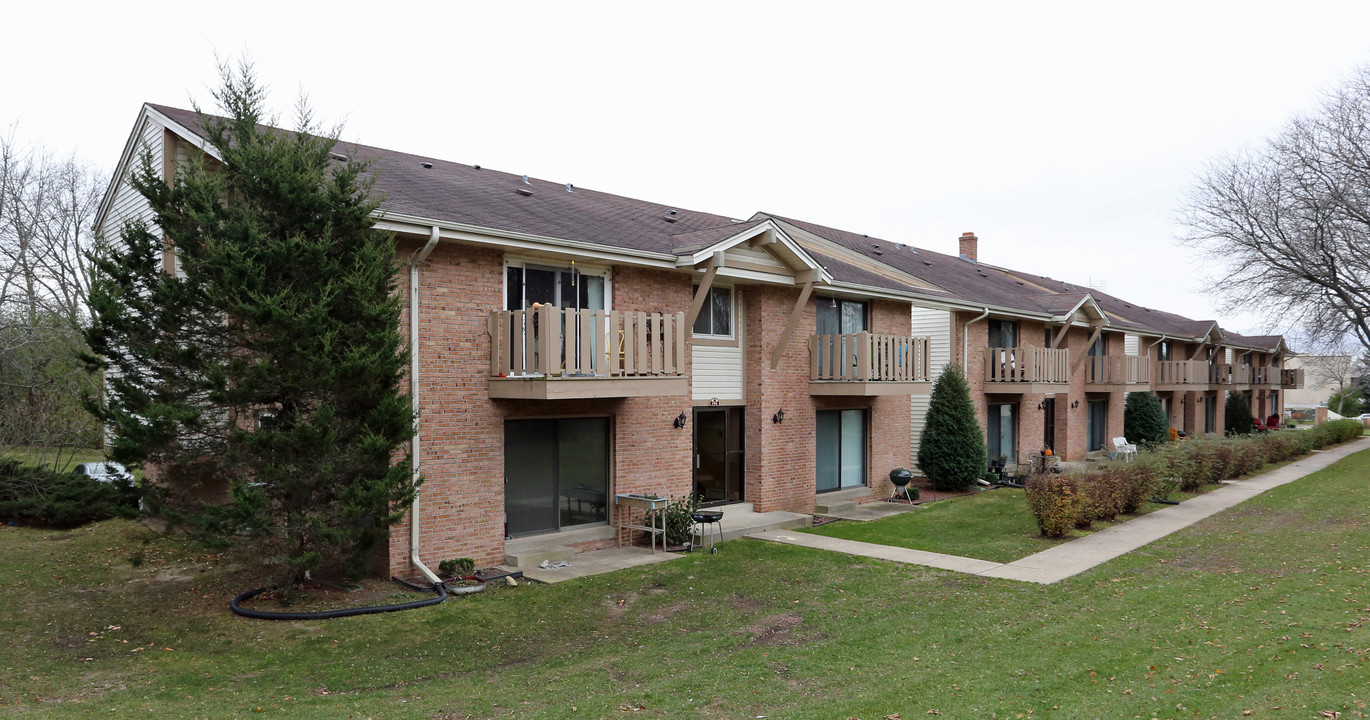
[1262,611]
[61,459]
[993,525]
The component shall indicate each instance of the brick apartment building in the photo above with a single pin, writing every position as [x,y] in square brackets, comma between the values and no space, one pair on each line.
[570,346]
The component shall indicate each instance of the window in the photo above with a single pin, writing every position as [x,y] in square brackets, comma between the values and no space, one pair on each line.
[1003,333]
[556,474]
[840,457]
[563,287]
[1096,424]
[1163,350]
[1003,430]
[1099,347]
[716,317]
[841,317]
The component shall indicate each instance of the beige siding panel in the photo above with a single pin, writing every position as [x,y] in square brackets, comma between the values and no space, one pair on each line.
[936,326]
[716,372]
[753,255]
[1132,345]
[128,205]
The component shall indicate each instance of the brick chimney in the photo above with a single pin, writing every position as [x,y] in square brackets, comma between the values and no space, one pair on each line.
[968,246]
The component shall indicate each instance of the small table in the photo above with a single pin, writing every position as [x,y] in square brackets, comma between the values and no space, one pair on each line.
[646,503]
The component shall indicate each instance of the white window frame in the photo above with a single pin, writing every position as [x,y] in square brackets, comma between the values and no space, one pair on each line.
[522,263]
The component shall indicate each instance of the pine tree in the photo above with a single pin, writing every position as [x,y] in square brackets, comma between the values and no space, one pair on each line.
[1144,419]
[1237,414]
[276,362]
[951,448]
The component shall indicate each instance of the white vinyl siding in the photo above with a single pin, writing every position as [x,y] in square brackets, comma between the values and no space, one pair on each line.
[128,205]
[936,326]
[1132,345]
[716,372]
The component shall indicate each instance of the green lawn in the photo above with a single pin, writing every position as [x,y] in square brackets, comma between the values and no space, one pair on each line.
[1263,608]
[993,525]
[62,459]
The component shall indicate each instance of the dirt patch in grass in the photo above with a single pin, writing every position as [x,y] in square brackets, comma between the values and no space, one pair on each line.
[744,603]
[618,606]
[775,630]
[666,613]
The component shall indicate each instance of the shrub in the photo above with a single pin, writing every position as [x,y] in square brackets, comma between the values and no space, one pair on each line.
[1055,502]
[675,516]
[1134,483]
[1237,414]
[38,496]
[457,567]
[951,449]
[1144,419]
[1103,493]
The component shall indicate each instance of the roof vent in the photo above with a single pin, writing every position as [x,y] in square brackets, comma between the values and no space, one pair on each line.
[475,167]
[427,165]
[525,180]
[925,262]
[338,156]
[570,187]
[524,191]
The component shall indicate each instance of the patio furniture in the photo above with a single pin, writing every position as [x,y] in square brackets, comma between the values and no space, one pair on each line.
[645,503]
[1124,448]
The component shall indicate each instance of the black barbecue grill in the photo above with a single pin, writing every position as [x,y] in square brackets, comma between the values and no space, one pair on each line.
[711,522]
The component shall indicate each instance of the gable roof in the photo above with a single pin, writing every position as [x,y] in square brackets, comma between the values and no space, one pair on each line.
[427,191]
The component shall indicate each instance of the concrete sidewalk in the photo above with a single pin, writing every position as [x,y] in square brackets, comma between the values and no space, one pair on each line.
[1077,556]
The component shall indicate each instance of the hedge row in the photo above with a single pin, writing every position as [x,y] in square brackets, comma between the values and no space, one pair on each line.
[37,496]
[1061,503]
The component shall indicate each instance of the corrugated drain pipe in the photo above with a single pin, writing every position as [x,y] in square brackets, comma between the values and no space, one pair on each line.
[414,461]
[965,342]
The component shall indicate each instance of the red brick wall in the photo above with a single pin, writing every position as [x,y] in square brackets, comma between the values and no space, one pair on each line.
[780,456]
[462,499]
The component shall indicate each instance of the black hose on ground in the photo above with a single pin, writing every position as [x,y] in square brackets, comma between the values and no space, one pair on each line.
[237,608]
[1163,502]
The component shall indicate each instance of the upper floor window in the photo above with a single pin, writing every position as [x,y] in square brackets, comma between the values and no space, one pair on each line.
[716,317]
[564,287]
[1163,350]
[1003,333]
[1099,347]
[841,317]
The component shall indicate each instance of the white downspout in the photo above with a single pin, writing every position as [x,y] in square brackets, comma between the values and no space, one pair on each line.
[965,342]
[414,461]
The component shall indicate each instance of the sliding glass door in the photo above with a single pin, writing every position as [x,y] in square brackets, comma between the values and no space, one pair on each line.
[556,474]
[840,455]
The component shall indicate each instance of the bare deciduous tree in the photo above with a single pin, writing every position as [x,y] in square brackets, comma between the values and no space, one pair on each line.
[46,209]
[1288,224]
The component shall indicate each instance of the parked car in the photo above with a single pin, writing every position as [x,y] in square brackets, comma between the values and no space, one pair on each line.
[1363,416]
[104,471]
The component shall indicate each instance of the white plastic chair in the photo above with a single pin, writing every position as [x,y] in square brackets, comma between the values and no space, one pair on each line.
[1124,448]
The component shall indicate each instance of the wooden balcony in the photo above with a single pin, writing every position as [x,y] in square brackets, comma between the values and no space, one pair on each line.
[1113,373]
[1229,376]
[1266,377]
[1026,369]
[1291,379]
[1179,375]
[868,364]
[554,353]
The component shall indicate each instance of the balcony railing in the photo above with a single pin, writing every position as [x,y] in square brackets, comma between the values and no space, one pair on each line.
[1267,375]
[1229,374]
[1291,379]
[1118,370]
[868,357]
[1180,372]
[559,343]
[1027,364]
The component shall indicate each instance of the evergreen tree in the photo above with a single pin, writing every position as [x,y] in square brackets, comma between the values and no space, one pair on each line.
[1144,419]
[275,363]
[951,449]
[1237,414]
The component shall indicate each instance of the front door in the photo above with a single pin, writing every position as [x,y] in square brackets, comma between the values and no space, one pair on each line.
[718,455]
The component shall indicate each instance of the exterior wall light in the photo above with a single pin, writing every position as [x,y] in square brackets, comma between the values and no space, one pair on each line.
[778,417]
[679,422]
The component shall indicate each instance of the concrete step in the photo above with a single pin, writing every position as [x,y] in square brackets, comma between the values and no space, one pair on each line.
[532,556]
[833,507]
[740,519]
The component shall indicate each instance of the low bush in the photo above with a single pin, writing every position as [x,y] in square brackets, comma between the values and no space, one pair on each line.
[1103,493]
[1135,483]
[457,567]
[38,496]
[676,518]
[1055,502]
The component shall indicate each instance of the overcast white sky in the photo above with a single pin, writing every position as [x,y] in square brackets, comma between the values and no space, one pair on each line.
[1064,134]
